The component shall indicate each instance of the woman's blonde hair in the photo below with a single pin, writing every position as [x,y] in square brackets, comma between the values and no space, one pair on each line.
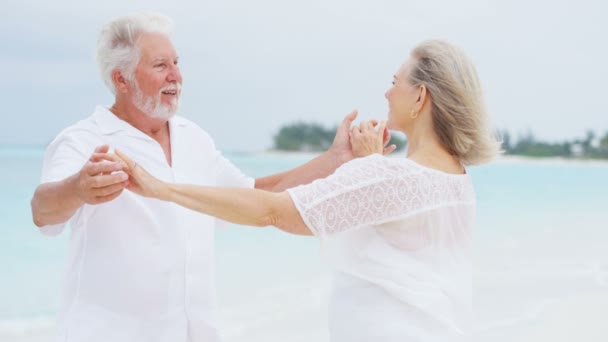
[459,116]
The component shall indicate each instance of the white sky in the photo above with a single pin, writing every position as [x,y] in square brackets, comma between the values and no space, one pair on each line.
[250,67]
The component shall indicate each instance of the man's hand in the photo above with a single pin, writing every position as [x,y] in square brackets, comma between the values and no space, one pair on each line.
[99,180]
[340,148]
[96,182]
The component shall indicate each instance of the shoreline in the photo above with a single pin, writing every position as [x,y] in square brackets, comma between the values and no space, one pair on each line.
[516,159]
[20,151]
[502,159]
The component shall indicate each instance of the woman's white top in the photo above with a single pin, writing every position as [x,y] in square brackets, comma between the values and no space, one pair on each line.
[398,237]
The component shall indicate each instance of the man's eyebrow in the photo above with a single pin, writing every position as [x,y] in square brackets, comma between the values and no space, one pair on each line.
[160,58]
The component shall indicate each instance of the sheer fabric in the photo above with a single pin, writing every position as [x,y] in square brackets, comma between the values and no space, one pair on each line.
[397,236]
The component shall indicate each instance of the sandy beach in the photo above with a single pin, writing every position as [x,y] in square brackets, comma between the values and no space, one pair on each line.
[581,318]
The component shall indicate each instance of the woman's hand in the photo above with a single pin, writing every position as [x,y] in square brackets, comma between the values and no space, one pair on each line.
[366,140]
[140,181]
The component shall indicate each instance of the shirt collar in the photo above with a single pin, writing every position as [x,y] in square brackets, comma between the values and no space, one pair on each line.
[109,123]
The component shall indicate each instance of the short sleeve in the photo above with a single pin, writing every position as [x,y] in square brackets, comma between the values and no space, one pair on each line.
[360,193]
[229,175]
[63,158]
[226,174]
[374,190]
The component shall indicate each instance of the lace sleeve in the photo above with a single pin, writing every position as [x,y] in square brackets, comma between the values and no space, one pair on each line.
[370,191]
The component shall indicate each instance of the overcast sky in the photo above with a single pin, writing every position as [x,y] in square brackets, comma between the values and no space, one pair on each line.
[251,66]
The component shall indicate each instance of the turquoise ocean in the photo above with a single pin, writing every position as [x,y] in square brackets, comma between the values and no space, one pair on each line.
[541,239]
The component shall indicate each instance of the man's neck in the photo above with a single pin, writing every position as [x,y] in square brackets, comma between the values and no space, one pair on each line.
[155,128]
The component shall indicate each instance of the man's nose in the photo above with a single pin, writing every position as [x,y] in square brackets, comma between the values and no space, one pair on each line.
[174,75]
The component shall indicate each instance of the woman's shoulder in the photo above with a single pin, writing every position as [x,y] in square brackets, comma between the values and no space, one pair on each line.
[403,171]
[387,164]
[374,168]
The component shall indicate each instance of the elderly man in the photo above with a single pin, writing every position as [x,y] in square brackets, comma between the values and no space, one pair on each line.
[140,269]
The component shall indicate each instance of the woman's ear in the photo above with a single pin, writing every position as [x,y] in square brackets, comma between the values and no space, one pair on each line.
[422,97]
[119,82]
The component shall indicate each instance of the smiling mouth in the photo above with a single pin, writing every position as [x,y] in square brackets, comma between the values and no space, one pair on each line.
[169,92]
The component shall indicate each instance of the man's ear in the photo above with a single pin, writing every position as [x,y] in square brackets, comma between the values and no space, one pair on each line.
[120,82]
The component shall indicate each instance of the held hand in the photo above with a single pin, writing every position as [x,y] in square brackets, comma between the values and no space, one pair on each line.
[341,145]
[98,181]
[365,140]
[386,138]
[140,181]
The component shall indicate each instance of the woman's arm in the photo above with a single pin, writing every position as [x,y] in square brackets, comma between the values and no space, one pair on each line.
[250,207]
[242,206]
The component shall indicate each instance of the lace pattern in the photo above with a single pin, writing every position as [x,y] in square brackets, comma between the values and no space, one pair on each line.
[374,190]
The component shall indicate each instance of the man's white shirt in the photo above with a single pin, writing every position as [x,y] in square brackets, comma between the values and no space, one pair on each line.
[140,269]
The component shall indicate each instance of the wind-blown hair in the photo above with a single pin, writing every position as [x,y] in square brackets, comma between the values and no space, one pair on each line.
[459,115]
[117,43]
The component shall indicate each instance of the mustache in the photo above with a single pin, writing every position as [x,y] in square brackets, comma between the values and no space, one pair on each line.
[173,87]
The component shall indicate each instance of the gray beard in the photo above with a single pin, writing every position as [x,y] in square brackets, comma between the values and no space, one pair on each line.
[152,105]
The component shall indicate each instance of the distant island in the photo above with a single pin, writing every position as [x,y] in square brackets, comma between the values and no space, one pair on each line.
[591,146]
[313,137]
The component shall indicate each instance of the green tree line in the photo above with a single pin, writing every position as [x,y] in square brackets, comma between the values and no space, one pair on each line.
[589,146]
[303,136]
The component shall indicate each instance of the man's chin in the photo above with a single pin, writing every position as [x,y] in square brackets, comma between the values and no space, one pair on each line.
[164,113]
[163,116]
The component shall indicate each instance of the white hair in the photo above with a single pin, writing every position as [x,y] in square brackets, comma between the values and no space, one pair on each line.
[117,44]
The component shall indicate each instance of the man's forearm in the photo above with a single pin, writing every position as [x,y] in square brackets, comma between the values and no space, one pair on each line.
[319,167]
[55,202]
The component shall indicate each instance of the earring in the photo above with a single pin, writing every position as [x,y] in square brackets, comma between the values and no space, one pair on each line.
[414,114]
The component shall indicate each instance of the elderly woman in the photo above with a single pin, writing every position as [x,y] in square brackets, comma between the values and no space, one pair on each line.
[396,231]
